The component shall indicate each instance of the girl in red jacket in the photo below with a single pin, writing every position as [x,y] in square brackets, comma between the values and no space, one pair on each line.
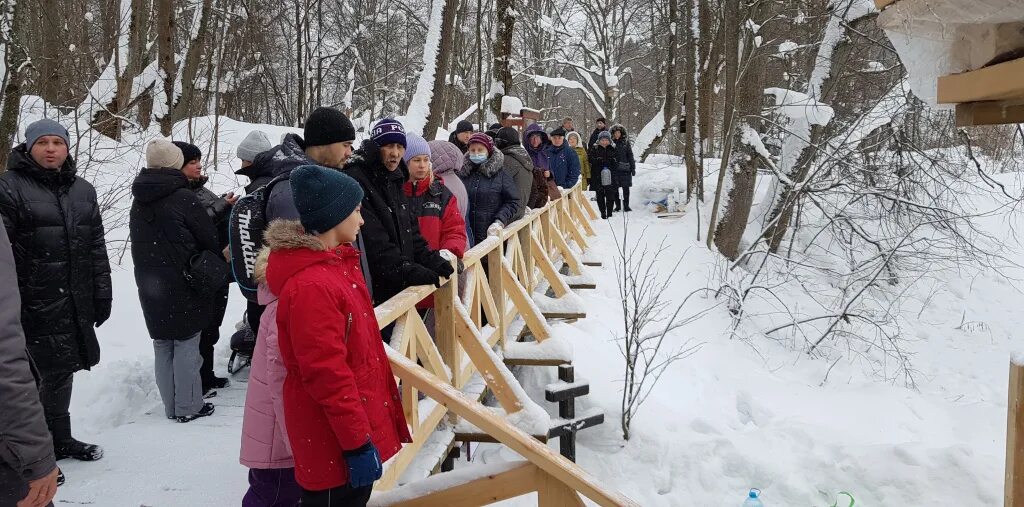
[341,404]
[433,205]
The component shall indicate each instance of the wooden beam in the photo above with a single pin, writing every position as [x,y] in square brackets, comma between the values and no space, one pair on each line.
[497,286]
[535,362]
[521,300]
[390,310]
[1014,492]
[555,280]
[398,463]
[514,438]
[973,114]
[553,493]
[484,438]
[576,211]
[485,490]
[568,256]
[486,366]
[997,82]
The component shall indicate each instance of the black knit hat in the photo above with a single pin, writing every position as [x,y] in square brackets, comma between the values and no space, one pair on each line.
[505,137]
[326,125]
[463,126]
[189,151]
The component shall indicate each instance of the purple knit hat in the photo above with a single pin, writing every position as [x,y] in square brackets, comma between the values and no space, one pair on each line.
[388,131]
[484,139]
[414,147]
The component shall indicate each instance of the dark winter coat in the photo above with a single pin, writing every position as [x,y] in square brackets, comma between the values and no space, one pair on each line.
[538,155]
[454,139]
[601,157]
[395,250]
[539,189]
[519,166]
[168,227]
[339,391]
[25,446]
[217,208]
[260,172]
[56,233]
[282,160]
[493,196]
[626,168]
[563,164]
[593,136]
[437,212]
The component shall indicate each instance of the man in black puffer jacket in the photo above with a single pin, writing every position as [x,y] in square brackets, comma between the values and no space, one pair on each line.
[397,255]
[56,232]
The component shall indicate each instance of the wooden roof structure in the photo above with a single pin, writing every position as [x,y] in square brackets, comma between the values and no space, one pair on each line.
[972,50]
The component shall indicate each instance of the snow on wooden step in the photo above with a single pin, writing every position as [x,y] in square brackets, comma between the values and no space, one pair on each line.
[441,482]
[570,303]
[554,348]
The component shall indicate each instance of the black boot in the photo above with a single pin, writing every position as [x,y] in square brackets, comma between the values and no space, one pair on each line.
[625,199]
[203,412]
[77,450]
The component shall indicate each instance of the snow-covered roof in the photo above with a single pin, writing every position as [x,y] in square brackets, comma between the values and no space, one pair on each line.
[937,39]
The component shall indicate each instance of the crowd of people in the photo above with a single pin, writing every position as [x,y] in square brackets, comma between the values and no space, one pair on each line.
[346,229]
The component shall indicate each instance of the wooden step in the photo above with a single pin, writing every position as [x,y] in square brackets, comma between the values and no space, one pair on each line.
[564,316]
[536,362]
[484,438]
[582,285]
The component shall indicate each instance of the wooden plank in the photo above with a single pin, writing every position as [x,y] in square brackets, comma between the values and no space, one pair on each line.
[522,302]
[555,280]
[428,353]
[444,326]
[1014,492]
[527,251]
[485,365]
[565,315]
[577,236]
[576,211]
[484,438]
[568,256]
[595,264]
[490,307]
[578,286]
[515,439]
[410,401]
[390,310]
[973,114]
[551,492]
[997,82]
[486,490]
[535,362]
[399,462]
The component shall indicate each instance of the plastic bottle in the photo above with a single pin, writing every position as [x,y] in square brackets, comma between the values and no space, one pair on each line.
[753,499]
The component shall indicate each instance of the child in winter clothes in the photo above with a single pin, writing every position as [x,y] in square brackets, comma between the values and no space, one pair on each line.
[433,205]
[265,448]
[341,404]
[576,142]
[602,157]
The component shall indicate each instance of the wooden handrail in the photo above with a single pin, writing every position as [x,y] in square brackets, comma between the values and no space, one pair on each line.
[461,349]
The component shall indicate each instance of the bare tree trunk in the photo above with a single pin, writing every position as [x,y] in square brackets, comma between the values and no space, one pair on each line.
[709,57]
[693,169]
[671,107]
[299,67]
[444,57]
[165,49]
[503,52]
[731,32]
[13,19]
[743,158]
[53,47]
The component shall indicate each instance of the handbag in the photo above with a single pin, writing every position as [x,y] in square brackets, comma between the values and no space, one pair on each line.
[625,167]
[205,272]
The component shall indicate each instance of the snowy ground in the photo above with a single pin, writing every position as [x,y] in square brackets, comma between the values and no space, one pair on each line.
[745,411]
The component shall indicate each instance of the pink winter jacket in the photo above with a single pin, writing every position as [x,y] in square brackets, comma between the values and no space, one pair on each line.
[264,440]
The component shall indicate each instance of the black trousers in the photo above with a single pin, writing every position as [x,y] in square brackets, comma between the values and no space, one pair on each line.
[342,496]
[606,196]
[211,335]
[55,395]
[625,197]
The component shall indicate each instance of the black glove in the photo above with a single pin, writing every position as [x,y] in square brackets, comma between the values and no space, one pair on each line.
[101,309]
[633,172]
[419,275]
[445,270]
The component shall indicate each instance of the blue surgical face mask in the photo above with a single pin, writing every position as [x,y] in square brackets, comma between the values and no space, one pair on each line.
[477,158]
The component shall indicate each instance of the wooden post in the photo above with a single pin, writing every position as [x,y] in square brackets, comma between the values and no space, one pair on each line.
[444,327]
[1015,436]
[553,493]
[567,411]
[526,249]
[497,285]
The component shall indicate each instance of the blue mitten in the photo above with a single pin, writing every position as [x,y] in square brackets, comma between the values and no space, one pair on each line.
[364,465]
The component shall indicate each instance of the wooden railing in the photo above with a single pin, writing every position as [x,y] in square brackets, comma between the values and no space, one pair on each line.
[452,367]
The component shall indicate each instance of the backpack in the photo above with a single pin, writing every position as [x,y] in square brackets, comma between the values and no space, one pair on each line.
[246,227]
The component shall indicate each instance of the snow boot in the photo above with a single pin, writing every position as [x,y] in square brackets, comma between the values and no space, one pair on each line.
[203,412]
[628,209]
[60,477]
[77,450]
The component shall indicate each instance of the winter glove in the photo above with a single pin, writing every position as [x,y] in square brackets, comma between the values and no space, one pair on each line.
[495,229]
[633,172]
[101,309]
[445,270]
[419,275]
[364,465]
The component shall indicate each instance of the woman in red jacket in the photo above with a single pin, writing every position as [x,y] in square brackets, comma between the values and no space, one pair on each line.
[433,205]
[341,404]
